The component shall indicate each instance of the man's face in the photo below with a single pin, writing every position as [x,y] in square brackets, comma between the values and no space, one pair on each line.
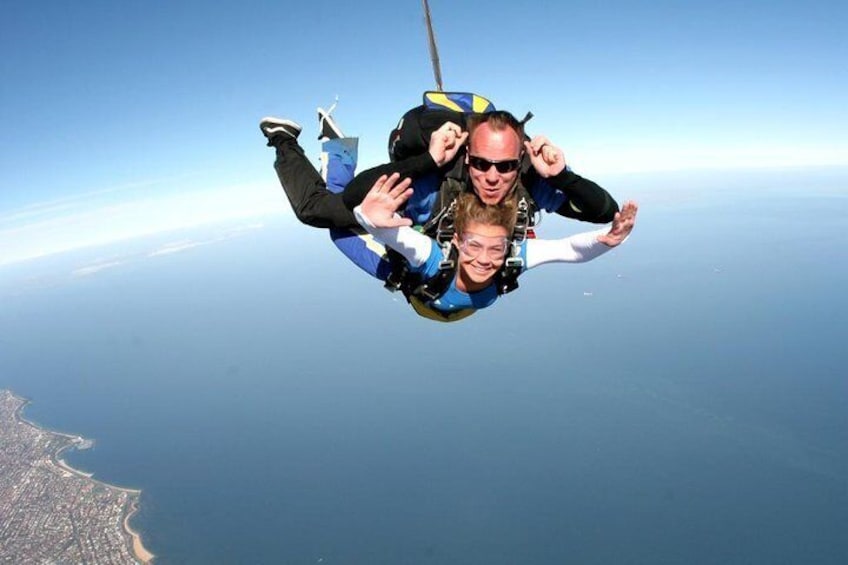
[489,146]
[482,251]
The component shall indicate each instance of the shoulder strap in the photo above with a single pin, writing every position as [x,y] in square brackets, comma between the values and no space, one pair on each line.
[438,284]
[440,225]
[506,280]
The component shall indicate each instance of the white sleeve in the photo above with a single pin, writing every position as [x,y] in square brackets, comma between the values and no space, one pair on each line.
[577,248]
[414,246]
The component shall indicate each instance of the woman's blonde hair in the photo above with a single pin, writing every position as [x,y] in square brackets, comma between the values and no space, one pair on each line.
[469,209]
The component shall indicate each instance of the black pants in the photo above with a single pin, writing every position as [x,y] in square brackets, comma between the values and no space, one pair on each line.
[307,192]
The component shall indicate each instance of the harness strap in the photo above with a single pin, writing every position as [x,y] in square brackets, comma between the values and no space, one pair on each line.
[507,277]
[412,285]
[447,226]
[438,284]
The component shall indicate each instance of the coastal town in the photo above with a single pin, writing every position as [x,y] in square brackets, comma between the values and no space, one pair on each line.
[51,513]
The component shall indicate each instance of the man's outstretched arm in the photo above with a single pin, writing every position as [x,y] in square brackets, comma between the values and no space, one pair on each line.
[556,187]
[585,200]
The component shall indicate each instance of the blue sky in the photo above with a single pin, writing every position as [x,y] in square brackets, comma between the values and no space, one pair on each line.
[125,118]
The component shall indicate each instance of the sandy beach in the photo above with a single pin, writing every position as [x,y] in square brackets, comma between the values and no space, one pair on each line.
[141,553]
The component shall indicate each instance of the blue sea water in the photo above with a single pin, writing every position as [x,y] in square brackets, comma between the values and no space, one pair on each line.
[680,400]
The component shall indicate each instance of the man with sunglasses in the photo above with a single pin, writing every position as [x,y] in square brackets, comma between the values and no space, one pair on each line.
[499,161]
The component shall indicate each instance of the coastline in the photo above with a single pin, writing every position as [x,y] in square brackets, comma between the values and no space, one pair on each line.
[142,554]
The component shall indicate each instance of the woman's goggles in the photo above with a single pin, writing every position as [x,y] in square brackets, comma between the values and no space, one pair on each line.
[473,245]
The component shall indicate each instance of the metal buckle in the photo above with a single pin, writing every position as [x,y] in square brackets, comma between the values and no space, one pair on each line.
[514,262]
[446,264]
[425,291]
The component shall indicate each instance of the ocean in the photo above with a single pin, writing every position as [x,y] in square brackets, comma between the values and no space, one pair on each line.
[679,400]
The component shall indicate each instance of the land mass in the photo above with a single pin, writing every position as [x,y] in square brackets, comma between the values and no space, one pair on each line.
[52,513]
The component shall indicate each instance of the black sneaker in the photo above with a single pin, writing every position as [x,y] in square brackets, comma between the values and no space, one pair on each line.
[327,127]
[275,127]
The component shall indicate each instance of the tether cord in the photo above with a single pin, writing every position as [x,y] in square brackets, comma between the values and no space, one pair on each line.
[434,52]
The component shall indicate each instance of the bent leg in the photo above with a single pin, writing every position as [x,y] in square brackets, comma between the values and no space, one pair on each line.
[307,192]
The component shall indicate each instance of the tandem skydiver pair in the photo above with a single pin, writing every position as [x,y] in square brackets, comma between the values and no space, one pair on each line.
[474,209]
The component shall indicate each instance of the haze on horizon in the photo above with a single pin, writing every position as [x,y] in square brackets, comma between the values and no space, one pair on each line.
[123,123]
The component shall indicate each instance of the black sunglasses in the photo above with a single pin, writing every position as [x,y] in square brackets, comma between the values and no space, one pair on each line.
[502,167]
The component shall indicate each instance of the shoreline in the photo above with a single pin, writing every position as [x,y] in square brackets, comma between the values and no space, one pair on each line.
[142,554]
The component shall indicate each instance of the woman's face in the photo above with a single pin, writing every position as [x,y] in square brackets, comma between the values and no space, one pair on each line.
[482,250]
